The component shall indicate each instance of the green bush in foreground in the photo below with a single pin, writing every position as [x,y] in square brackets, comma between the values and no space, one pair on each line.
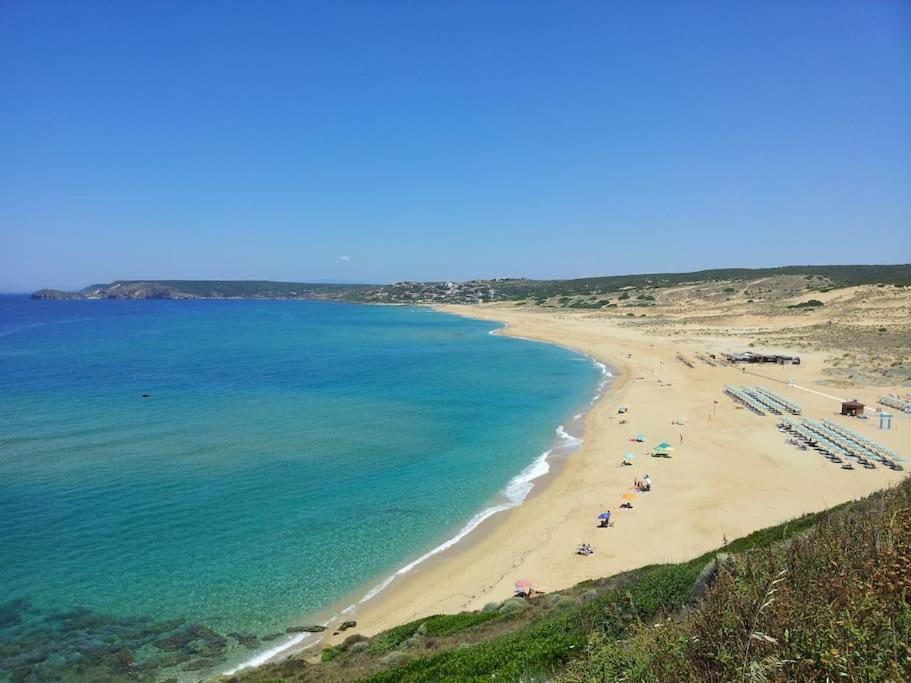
[439,625]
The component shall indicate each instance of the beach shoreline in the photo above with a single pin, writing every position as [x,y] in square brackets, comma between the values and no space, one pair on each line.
[553,459]
[739,475]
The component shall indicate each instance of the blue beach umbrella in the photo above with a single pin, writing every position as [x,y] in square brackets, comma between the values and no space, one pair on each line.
[629,456]
[664,444]
[640,437]
[604,515]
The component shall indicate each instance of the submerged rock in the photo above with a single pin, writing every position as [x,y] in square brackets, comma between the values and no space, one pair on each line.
[199,665]
[11,612]
[245,639]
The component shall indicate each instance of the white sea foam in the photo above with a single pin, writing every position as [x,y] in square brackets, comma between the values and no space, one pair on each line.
[266,655]
[567,437]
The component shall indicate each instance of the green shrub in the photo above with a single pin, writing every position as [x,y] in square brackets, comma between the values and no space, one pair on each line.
[812,303]
[331,653]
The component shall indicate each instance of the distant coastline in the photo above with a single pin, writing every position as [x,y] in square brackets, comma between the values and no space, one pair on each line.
[592,293]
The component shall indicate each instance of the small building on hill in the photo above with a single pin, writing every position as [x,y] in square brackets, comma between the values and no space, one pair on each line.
[854,408]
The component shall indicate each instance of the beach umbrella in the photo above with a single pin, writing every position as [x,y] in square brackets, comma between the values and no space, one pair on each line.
[664,444]
[629,456]
[629,496]
[604,515]
[640,437]
[524,584]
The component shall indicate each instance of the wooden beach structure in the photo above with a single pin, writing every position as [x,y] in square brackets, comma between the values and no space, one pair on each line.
[852,408]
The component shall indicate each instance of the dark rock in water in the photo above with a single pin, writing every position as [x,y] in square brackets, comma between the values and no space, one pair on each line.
[196,639]
[314,628]
[199,665]
[11,612]
[272,636]
[23,675]
[162,627]
[346,625]
[120,659]
[245,639]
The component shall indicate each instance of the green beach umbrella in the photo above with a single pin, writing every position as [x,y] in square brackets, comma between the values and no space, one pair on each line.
[664,444]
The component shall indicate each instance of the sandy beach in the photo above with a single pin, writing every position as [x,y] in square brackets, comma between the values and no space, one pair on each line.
[731,472]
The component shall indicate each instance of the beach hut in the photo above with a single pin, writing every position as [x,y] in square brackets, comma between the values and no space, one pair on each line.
[853,408]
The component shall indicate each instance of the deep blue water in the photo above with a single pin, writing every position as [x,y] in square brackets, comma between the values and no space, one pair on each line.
[288,453]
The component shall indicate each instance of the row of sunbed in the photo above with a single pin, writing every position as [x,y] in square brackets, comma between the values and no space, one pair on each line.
[811,439]
[745,399]
[896,402]
[783,404]
[882,453]
[838,443]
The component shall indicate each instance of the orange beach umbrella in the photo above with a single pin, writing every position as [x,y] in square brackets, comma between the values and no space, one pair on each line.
[629,496]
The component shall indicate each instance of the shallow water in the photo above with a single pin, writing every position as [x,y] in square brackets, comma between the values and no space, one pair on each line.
[287,453]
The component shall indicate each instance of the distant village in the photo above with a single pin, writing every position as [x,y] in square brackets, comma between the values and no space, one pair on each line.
[471,292]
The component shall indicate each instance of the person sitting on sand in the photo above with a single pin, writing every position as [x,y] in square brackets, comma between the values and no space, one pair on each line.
[627,506]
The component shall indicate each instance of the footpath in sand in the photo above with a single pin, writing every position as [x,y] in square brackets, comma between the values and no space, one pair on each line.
[733,473]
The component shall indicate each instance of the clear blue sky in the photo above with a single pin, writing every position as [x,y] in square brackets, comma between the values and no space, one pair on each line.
[447,140]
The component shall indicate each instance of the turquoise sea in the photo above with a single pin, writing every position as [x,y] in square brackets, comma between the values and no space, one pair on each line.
[289,454]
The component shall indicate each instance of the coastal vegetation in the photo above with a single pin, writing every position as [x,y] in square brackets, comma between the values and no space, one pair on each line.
[817,278]
[812,303]
[823,597]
